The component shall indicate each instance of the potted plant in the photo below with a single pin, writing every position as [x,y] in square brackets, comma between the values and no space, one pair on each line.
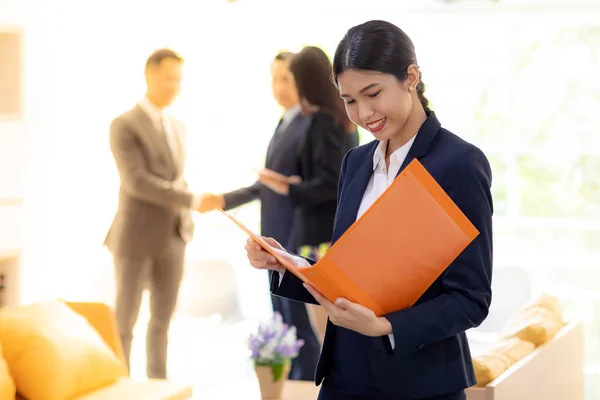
[273,347]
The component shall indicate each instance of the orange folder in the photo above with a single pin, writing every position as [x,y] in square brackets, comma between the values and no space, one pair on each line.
[393,253]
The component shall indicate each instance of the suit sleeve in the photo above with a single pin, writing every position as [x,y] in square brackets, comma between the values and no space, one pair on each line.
[135,177]
[466,283]
[326,143]
[242,196]
[291,286]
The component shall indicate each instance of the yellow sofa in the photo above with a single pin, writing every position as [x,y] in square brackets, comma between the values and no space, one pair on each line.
[101,319]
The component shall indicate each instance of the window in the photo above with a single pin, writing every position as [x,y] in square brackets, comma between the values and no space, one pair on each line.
[527,92]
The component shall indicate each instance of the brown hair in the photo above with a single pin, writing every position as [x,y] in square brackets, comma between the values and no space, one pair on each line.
[312,72]
[159,55]
[284,56]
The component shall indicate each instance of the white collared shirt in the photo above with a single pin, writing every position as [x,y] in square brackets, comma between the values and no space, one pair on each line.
[382,178]
[162,122]
[288,116]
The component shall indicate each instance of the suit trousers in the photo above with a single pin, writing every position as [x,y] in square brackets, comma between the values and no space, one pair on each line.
[162,275]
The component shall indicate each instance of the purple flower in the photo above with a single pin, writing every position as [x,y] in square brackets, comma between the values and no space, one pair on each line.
[274,342]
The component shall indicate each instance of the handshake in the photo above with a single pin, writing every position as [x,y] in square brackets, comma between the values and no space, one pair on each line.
[274,181]
[209,202]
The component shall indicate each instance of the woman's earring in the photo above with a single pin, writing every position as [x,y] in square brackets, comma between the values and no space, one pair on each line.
[410,88]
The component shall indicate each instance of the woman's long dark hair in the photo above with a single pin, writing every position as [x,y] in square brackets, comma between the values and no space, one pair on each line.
[311,69]
[378,46]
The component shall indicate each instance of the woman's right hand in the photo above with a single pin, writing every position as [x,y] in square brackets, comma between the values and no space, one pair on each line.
[260,259]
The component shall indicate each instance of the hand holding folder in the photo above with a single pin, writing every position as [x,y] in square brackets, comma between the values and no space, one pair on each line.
[289,261]
[391,255]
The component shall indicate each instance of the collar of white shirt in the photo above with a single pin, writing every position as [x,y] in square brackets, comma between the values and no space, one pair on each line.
[155,113]
[398,156]
[162,124]
[288,116]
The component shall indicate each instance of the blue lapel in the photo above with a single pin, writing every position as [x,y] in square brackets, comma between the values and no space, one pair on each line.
[427,132]
[353,194]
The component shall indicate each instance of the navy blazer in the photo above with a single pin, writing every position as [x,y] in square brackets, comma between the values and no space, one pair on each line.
[277,211]
[431,354]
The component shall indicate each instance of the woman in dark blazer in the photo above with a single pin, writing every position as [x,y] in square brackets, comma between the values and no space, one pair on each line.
[420,352]
[319,158]
[320,153]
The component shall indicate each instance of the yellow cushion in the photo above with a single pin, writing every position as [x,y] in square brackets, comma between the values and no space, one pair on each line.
[514,348]
[149,390]
[101,318]
[551,303]
[54,354]
[491,364]
[488,367]
[538,322]
[7,384]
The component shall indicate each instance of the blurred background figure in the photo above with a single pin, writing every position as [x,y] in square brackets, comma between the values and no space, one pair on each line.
[278,219]
[153,222]
[319,158]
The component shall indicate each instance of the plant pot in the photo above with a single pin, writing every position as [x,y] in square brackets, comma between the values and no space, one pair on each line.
[271,379]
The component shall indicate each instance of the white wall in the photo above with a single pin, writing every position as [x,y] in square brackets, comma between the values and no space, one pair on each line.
[11,12]
[12,139]
[84,66]
[36,270]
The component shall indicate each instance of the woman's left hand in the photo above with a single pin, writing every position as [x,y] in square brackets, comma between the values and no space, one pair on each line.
[352,316]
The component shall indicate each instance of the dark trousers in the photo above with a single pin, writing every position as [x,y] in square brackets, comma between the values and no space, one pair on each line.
[294,313]
[162,276]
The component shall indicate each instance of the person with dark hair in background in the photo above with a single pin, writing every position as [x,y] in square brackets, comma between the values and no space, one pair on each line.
[330,135]
[277,211]
[420,352]
[153,222]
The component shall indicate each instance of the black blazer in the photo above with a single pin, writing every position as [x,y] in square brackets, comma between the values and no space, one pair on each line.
[319,161]
[431,354]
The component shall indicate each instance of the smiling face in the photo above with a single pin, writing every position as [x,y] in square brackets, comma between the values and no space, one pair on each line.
[379,102]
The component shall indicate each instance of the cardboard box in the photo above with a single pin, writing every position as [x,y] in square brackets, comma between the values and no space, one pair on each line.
[554,371]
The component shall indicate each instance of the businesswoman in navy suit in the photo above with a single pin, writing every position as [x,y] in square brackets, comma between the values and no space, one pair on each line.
[420,352]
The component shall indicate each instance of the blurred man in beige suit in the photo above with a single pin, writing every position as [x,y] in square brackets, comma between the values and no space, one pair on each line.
[153,222]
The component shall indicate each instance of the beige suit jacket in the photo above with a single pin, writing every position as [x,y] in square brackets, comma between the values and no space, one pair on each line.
[154,200]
